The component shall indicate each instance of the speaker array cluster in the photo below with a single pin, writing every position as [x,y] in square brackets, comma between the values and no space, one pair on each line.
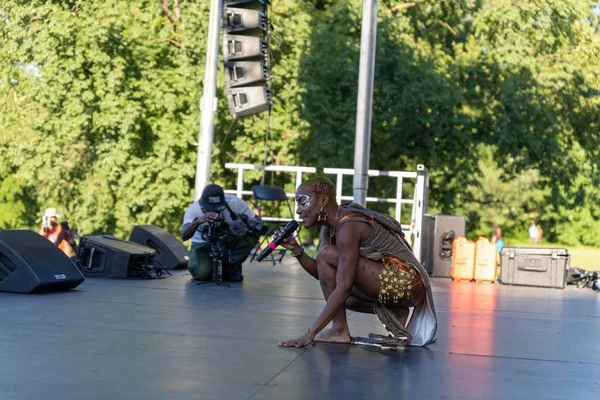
[246,57]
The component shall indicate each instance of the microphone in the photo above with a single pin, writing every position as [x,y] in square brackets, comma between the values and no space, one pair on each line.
[289,228]
[238,228]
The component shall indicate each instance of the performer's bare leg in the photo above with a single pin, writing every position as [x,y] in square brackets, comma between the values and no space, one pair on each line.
[363,296]
[327,260]
[361,299]
[359,302]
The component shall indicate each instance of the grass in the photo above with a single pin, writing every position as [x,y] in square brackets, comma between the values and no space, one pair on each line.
[585,258]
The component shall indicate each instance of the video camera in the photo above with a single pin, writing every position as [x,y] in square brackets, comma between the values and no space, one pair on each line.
[244,225]
[216,230]
[219,229]
[46,223]
[223,236]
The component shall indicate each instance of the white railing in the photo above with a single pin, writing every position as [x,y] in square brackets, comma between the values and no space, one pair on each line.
[240,192]
[419,199]
[398,200]
[419,208]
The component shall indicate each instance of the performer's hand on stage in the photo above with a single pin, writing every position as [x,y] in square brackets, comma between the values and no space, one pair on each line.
[300,342]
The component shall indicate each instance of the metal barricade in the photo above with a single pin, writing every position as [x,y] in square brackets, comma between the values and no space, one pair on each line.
[419,199]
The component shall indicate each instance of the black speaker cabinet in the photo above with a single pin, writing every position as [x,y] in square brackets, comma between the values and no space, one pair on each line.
[439,232]
[170,252]
[30,263]
[111,257]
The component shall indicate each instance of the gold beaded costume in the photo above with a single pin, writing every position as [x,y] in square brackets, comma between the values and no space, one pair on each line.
[396,280]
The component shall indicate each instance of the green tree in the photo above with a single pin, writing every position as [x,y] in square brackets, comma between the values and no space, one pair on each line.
[499,99]
[100,106]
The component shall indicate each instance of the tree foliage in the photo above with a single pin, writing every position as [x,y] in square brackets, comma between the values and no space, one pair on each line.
[99,108]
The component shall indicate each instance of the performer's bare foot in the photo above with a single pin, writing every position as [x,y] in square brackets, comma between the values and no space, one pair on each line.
[334,336]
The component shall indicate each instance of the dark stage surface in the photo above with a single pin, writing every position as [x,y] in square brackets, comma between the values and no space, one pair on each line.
[170,339]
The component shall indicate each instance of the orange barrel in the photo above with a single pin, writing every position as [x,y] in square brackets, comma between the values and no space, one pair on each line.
[485,261]
[463,260]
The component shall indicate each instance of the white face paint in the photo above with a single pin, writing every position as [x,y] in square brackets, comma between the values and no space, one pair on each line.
[303,200]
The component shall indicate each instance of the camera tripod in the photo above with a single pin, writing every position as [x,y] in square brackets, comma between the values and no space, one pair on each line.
[217,253]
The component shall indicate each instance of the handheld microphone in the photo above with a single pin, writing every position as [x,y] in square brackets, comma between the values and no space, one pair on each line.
[289,228]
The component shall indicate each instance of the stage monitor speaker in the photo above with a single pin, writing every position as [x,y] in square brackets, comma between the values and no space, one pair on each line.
[30,263]
[439,231]
[170,252]
[110,257]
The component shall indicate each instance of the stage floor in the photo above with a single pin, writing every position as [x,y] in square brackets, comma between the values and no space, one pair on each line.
[170,339]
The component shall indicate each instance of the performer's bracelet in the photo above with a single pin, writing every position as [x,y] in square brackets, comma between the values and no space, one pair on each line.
[299,253]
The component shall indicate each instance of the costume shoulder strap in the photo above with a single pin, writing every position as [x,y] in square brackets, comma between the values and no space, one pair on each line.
[385,220]
[355,217]
[350,213]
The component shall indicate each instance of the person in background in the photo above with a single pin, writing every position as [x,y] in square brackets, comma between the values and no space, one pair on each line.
[497,239]
[57,234]
[534,234]
[499,242]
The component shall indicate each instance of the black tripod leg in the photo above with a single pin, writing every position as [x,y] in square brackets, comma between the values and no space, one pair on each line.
[214,270]
[217,274]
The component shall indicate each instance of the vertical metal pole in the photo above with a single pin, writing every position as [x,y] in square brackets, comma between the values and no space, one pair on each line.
[338,187]
[362,143]
[422,197]
[208,103]
[399,199]
[298,179]
[240,182]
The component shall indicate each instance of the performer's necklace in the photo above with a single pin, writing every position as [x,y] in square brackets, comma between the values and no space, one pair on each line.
[333,231]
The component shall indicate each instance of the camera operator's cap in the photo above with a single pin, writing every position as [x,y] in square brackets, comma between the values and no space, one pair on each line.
[213,198]
[51,212]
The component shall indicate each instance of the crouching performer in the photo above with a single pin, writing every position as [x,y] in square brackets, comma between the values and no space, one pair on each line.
[364,264]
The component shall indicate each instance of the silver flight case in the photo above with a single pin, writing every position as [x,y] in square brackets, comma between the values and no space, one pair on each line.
[534,266]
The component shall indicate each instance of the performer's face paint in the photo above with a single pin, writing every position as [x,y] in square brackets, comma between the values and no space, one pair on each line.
[305,209]
[303,200]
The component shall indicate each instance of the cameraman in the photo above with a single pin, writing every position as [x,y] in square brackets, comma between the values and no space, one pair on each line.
[214,203]
[59,234]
